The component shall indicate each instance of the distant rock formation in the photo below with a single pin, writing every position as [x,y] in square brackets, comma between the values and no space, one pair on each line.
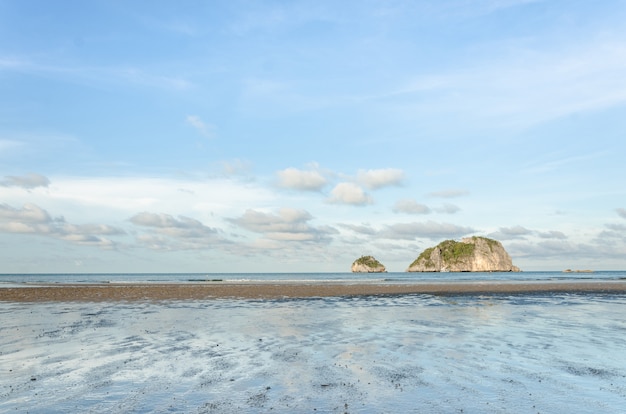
[367,264]
[578,271]
[471,254]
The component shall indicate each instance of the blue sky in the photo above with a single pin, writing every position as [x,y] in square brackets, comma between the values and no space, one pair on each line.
[238,136]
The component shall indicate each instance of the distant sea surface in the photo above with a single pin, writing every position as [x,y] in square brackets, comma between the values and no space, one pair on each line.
[339,277]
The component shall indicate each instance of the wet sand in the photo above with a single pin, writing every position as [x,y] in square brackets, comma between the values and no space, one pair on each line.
[106,348]
[216,290]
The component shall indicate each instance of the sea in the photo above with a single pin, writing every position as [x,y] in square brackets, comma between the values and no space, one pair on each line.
[338,277]
[489,353]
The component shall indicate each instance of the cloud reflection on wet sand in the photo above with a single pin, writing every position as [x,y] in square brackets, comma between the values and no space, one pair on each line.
[527,353]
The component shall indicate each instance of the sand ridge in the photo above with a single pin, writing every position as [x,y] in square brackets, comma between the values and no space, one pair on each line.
[260,290]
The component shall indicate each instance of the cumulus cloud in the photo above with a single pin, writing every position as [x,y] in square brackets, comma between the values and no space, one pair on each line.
[306,180]
[287,224]
[349,193]
[32,219]
[28,181]
[374,179]
[171,233]
[29,213]
[206,130]
[449,193]
[410,207]
[428,230]
[621,212]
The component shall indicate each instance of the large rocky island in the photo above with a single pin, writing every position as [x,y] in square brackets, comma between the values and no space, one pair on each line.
[367,264]
[471,254]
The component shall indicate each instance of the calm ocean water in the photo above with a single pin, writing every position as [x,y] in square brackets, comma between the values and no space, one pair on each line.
[346,277]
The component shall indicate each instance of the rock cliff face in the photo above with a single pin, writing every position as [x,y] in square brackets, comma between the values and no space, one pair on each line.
[471,254]
[367,264]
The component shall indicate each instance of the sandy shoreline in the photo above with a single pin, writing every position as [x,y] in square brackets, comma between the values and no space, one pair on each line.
[192,291]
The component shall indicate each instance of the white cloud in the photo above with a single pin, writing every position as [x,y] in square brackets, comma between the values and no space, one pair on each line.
[293,178]
[410,207]
[361,229]
[552,234]
[374,179]
[206,130]
[29,213]
[449,193]
[429,230]
[349,193]
[32,219]
[171,233]
[448,209]
[287,224]
[28,181]
[510,233]
[606,247]
[617,227]
[116,198]
[621,212]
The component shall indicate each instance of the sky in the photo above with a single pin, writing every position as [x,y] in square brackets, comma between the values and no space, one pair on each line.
[297,136]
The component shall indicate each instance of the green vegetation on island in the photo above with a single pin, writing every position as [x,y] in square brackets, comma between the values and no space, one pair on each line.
[471,254]
[367,264]
[368,261]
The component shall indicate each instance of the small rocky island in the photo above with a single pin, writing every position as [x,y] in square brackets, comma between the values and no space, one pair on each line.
[367,264]
[471,254]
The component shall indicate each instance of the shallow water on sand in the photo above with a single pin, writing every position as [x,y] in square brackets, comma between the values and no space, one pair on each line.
[415,353]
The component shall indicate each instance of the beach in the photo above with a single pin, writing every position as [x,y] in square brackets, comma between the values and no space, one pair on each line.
[262,290]
[219,347]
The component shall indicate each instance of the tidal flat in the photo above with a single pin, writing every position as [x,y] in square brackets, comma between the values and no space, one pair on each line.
[524,353]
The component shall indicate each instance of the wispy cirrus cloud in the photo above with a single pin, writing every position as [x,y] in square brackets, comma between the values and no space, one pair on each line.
[7,145]
[236,167]
[106,75]
[527,86]
[206,130]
